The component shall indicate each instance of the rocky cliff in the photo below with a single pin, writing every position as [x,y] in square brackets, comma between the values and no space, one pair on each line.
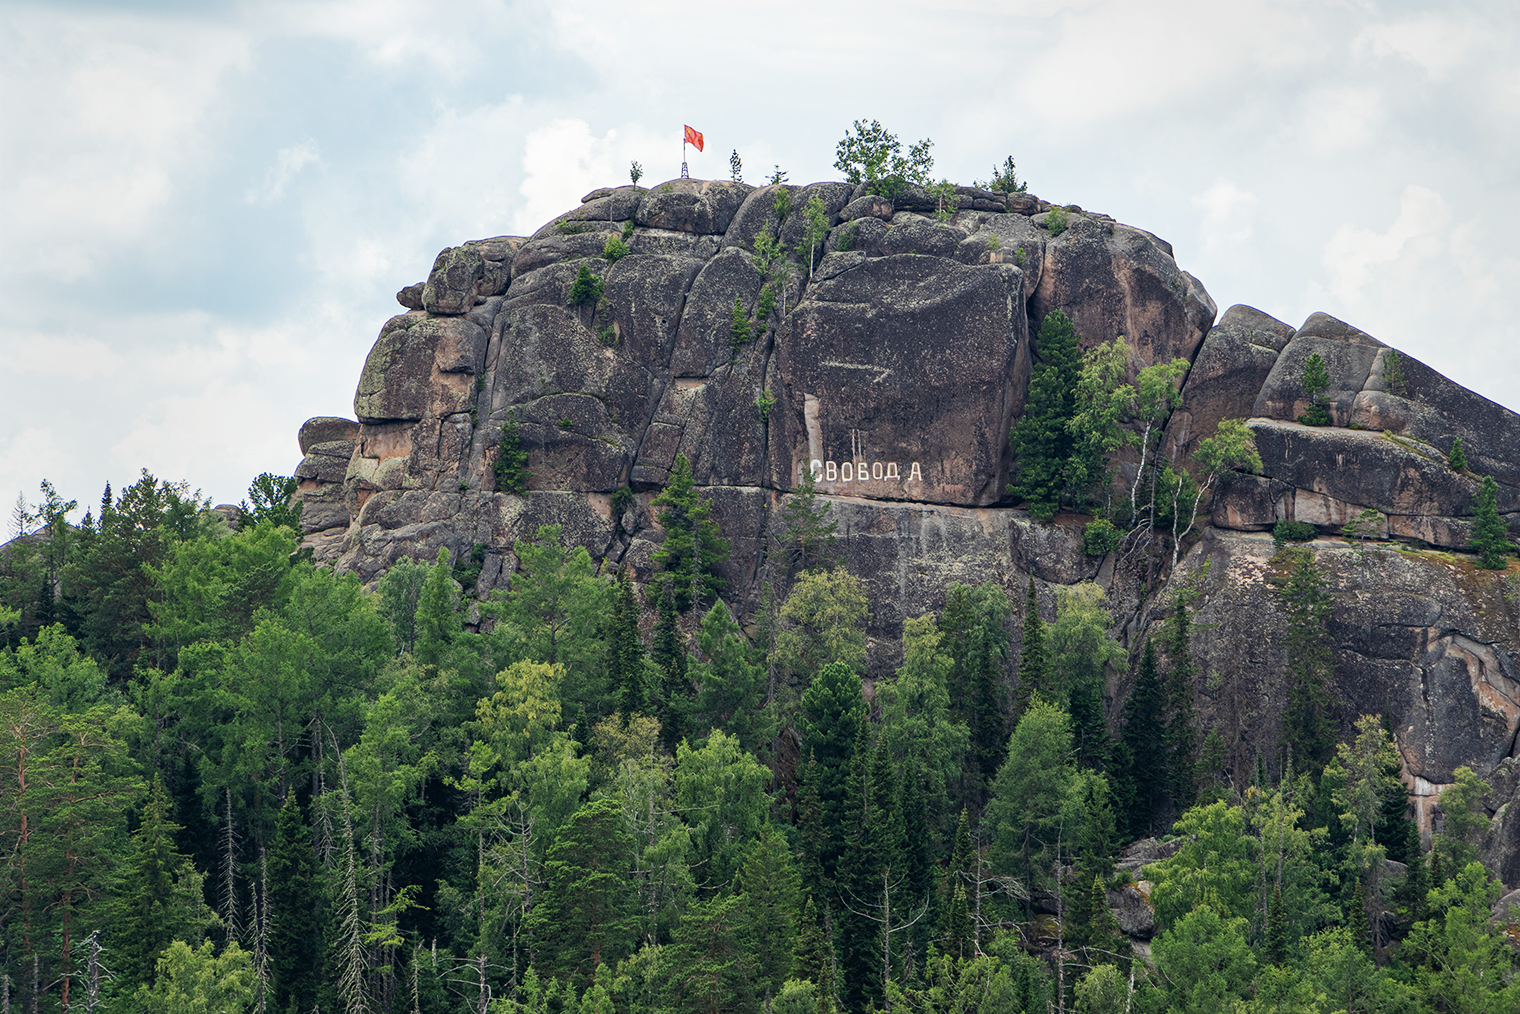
[895,372]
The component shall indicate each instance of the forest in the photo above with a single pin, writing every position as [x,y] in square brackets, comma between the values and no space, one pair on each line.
[235,781]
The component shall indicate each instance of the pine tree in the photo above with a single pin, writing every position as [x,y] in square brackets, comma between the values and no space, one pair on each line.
[625,651]
[296,914]
[437,622]
[974,625]
[1041,439]
[832,718]
[809,531]
[1490,538]
[738,328]
[693,545]
[1457,459]
[1306,603]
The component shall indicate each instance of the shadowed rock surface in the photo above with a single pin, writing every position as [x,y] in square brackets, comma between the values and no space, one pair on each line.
[894,371]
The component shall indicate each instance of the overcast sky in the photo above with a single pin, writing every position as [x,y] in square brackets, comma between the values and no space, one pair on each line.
[205,209]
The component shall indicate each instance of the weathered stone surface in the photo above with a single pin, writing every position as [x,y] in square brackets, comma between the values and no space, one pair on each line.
[833,197]
[420,365]
[324,429]
[904,362]
[868,206]
[757,213]
[555,247]
[326,463]
[705,339]
[1133,909]
[1114,280]
[700,206]
[1226,376]
[863,235]
[912,234]
[1365,468]
[1251,503]
[410,296]
[1348,354]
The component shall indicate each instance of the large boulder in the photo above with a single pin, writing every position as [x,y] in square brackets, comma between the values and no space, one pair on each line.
[420,365]
[900,379]
[1114,280]
[1227,375]
[699,206]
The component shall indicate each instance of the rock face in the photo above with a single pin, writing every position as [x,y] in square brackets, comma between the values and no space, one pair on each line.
[893,372]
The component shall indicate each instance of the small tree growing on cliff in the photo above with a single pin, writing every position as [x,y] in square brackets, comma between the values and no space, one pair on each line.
[1042,438]
[1490,538]
[1457,459]
[1316,381]
[693,545]
[873,155]
[511,464]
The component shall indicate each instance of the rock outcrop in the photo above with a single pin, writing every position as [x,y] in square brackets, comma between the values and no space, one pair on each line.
[893,371]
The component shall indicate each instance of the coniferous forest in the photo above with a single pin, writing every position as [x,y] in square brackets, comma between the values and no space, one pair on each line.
[234,781]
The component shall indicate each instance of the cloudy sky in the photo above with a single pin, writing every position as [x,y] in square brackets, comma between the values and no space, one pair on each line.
[206,208]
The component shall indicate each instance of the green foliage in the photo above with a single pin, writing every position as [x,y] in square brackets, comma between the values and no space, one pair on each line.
[1393,372]
[1306,605]
[871,154]
[766,305]
[270,495]
[1080,651]
[200,981]
[1205,962]
[1036,799]
[1457,459]
[1315,381]
[587,288]
[613,250]
[974,634]
[1490,538]
[1005,179]
[810,246]
[635,173]
[776,176]
[1100,537]
[510,466]
[1042,439]
[809,531]
[628,228]
[1143,778]
[1286,531]
[1056,221]
[764,402]
[823,621]
[738,328]
[946,200]
[693,546]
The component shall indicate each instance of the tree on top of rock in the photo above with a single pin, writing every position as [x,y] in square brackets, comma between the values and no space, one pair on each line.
[872,154]
[693,545]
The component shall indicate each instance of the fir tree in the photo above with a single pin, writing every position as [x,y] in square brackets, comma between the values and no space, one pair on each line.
[625,651]
[1181,732]
[809,537]
[832,718]
[511,464]
[1042,439]
[1033,665]
[669,653]
[1145,741]
[693,546]
[815,950]
[296,942]
[769,889]
[437,621]
[160,899]
[738,328]
[1490,538]
[974,625]
[1457,459]
[1306,603]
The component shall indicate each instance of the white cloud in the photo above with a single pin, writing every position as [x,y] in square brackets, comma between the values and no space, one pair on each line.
[1228,213]
[564,160]
[1437,43]
[1361,259]
[1341,119]
[288,162]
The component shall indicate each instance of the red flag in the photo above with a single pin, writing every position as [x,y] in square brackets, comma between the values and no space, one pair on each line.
[694,138]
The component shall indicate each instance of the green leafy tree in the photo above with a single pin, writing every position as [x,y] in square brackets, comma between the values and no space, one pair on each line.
[1081,650]
[200,981]
[269,500]
[1467,966]
[770,896]
[871,154]
[1315,381]
[1231,448]
[815,231]
[739,328]
[1205,961]
[1042,439]
[586,290]
[917,720]
[693,546]
[1005,179]
[730,686]
[809,530]
[437,620]
[1490,538]
[721,789]
[823,621]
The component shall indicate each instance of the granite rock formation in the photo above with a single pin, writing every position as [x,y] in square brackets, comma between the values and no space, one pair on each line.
[893,370]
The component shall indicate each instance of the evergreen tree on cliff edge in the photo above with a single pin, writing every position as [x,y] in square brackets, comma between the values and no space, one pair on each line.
[1041,439]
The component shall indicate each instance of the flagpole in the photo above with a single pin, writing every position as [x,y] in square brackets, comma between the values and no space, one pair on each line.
[685,175]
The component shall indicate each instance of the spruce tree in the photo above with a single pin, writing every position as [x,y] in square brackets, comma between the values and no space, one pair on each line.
[1490,538]
[1457,459]
[809,531]
[1306,603]
[1042,439]
[1033,665]
[437,622]
[296,942]
[160,896]
[1145,739]
[669,653]
[815,950]
[974,625]
[866,853]
[625,651]
[769,888]
[1181,731]
[738,329]
[693,545]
